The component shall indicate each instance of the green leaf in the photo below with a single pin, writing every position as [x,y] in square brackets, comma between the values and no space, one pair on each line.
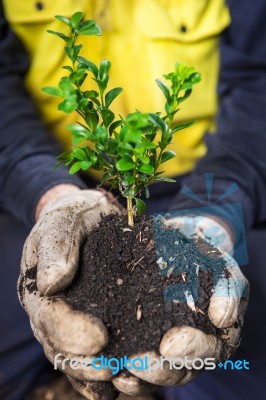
[127,134]
[69,53]
[99,147]
[68,105]
[183,126]
[112,145]
[67,87]
[107,116]
[185,96]
[67,39]
[167,155]
[128,179]
[164,89]
[140,206]
[186,85]
[58,164]
[146,169]
[93,158]
[68,68]
[53,91]
[92,118]
[102,85]
[101,134]
[124,148]
[82,105]
[105,65]
[140,149]
[115,125]
[79,153]
[90,94]
[109,160]
[76,18]
[63,19]
[79,77]
[88,28]
[195,77]
[158,121]
[76,50]
[151,134]
[144,159]
[138,120]
[85,165]
[149,145]
[111,95]
[80,133]
[73,51]
[75,168]
[63,156]
[125,164]
[89,65]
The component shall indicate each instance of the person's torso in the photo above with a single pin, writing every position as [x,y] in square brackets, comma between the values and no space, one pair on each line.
[143,39]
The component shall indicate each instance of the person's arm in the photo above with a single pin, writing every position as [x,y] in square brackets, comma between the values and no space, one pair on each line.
[30,190]
[236,153]
[27,149]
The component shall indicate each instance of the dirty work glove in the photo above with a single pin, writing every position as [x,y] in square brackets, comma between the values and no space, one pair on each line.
[49,263]
[226,311]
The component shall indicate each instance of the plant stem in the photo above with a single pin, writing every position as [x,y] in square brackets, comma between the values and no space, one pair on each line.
[130,212]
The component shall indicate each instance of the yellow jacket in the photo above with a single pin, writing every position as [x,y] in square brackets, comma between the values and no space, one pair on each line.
[143,39]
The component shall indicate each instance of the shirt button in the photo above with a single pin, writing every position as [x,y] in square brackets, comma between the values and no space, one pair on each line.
[183,28]
[39,5]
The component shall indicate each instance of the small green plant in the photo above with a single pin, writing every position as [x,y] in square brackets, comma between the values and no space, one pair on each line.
[128,150]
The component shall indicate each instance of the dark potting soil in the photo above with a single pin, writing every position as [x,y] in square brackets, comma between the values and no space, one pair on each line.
[126,278]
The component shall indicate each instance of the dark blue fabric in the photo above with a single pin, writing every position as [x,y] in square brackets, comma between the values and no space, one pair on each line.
[27,149]
[22,362]
[236,153]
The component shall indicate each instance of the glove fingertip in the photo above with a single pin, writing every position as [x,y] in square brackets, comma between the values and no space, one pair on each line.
[54,277]
[132,385]
[223,311]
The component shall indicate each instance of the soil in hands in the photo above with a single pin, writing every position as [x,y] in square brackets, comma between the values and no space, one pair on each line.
[124,274]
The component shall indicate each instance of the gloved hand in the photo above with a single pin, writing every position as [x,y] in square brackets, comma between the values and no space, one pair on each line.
[226,311]
[49,263]
[213,230]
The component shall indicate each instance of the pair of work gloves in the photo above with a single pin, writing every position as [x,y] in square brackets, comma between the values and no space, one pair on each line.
[53,247]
